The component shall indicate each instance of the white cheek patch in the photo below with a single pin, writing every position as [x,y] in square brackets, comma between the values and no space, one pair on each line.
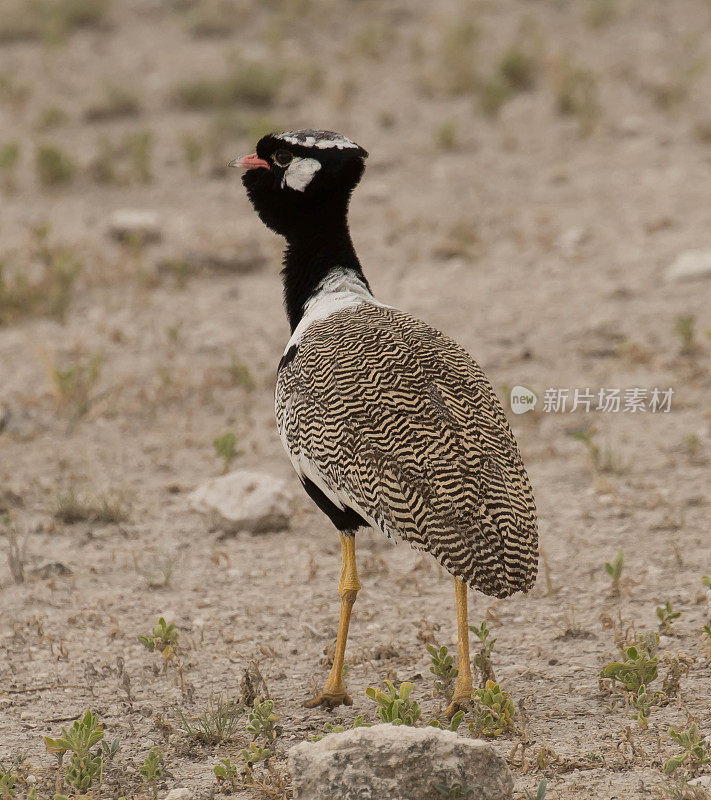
[300,172]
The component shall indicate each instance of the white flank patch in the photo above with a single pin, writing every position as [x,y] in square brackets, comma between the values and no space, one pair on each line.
[299,173]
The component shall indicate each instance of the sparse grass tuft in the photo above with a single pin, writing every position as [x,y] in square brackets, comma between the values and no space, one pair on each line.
[576,95]
[117,102]
[600,13]
[666,615]
[9,153]
[217,723]
[252,85]
[458,56]
[140,148]
[685,329]
[51,20]
[614,570]
[493,93]
[213,19]
[603,459]
[518,69]
[73,386]
[226,448]
[54,167]
[446,135]
[47,293]
[50,118]
[71,508]
[192,151]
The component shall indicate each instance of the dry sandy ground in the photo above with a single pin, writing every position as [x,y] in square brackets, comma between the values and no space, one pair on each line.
[539,248]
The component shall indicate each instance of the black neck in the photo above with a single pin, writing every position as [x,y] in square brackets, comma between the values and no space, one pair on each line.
[309,257]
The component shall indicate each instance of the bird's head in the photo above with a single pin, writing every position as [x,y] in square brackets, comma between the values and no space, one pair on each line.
[297,179]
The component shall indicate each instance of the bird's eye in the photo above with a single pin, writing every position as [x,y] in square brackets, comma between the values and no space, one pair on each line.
[282,158]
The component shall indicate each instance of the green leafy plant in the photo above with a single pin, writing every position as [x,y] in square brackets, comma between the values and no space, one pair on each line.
[226,772]
[695,750]
[152,768]
[540,792]
[254,753]
[638,668]
[685,329]
[614,570]
[454,723]
[163,639]
[85,764]
[7,783]
[482,659]
[217,723]
[54,167]
[261,720]
[394,706]
[358,722]
[642,706]
[443,669]
[666,615]
[494,709]
[226,448]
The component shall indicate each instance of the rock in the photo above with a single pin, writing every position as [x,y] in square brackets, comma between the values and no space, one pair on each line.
[244,501]
[389,761]
[179,794]
[135,225]
[689,265]
[702,782]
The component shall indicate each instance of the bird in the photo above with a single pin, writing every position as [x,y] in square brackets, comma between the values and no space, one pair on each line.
[388,422]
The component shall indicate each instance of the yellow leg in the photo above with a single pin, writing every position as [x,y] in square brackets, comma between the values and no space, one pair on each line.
[464,687]
[334,691]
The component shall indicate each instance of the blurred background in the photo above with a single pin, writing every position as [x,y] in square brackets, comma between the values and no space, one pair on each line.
[537,187]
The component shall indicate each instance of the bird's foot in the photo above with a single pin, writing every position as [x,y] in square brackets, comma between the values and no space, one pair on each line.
[329,699]
[460,702]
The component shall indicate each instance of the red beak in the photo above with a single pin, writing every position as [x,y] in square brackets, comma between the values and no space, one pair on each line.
[252,161]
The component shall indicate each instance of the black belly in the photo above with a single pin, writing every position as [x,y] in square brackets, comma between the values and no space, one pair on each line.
[345,519]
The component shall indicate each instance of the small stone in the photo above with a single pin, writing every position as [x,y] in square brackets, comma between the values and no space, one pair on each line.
[703,782]
[569,241]
[179,794]
[244,501]
[135,226]
[689,265]
[396,761]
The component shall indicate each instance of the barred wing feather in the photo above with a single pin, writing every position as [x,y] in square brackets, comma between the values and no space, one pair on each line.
[394,420]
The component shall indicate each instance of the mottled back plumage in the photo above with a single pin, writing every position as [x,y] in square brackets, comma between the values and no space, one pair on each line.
[392,419]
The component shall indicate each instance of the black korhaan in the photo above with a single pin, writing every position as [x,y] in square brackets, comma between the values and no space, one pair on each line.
[387,422]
